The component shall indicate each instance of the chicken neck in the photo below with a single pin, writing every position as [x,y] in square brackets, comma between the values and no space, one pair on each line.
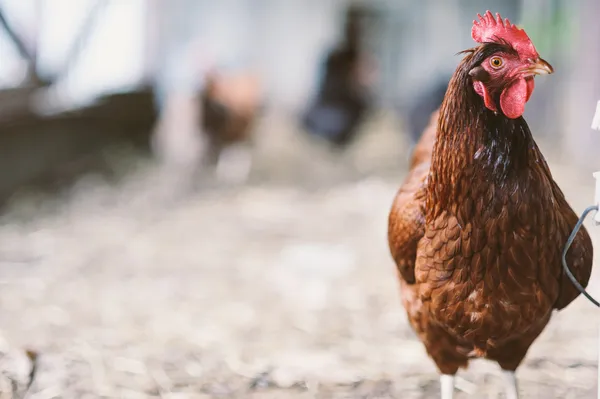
[475,146]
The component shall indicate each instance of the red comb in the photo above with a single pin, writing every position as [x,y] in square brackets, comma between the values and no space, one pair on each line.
[490,29]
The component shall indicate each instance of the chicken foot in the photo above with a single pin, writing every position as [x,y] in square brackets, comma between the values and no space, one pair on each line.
[234,163]
[511,390]
[447,386]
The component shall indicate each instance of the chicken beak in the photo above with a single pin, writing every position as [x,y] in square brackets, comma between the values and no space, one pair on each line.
[540,67]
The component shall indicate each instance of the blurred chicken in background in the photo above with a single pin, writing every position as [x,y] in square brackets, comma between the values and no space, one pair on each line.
[344,93]
[208,88]
[229,104]
[210,100]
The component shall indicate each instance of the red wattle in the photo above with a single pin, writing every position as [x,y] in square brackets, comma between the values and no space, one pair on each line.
[530,87]
[513,99]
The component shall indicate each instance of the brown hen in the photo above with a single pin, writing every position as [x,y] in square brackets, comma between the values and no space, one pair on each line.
[230,103]
[478,226]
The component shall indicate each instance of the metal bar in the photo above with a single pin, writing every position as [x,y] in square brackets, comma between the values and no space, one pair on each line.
[14,37]
[596,126]
[79,42]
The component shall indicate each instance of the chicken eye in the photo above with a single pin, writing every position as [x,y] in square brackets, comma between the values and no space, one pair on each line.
[496,62]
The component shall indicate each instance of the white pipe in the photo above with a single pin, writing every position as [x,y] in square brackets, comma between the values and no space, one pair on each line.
[596,120]
[599,367]
[597,198]
[596,126]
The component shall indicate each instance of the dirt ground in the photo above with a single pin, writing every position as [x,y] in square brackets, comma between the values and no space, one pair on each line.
[282,288]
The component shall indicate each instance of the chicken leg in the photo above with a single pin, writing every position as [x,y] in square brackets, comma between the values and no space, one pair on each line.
[447,386]
[234,163]
[511,390]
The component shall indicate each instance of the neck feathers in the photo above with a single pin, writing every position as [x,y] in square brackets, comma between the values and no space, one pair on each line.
[474,145]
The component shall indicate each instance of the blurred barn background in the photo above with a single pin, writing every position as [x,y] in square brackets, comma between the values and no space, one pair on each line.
[195,193]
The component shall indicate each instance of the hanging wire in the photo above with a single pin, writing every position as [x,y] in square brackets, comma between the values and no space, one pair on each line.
[568,245]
